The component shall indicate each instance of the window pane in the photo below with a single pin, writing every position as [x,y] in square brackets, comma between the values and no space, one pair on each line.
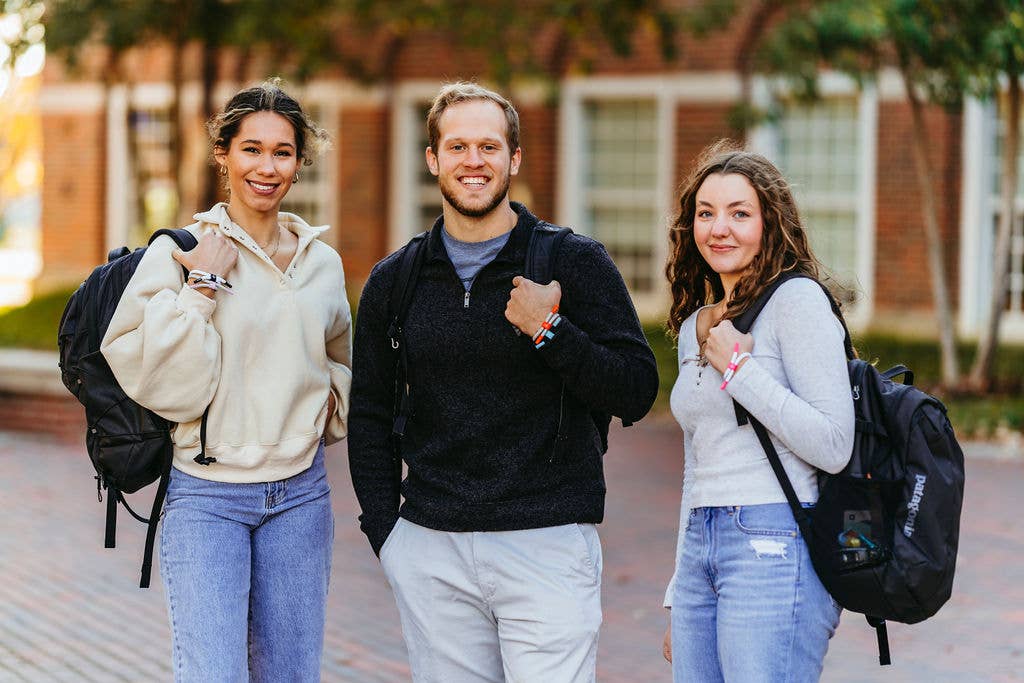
[818,154]
[620,161]
[1015,300]
[155,203]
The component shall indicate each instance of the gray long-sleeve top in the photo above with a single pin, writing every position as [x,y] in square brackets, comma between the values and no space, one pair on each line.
[796,384]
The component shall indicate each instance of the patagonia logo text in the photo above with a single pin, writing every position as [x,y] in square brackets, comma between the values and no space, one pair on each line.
[914,506]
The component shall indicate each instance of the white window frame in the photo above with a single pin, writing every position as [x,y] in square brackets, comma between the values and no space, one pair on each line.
[406,125]
[665,93]
[765,139]
[979,202]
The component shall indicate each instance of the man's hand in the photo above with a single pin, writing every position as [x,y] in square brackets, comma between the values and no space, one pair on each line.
[530,303]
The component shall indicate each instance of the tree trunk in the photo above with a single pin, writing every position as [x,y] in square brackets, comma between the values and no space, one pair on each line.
[982,372]
[933,240]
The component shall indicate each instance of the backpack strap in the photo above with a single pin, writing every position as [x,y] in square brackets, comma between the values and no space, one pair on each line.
[185,240]
[746,320]
[402,290]
[542,252]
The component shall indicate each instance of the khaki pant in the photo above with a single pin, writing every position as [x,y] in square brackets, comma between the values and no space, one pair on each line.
[517,606]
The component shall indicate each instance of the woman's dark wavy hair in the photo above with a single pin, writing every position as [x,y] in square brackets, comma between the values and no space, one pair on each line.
[784,243]
[310,139]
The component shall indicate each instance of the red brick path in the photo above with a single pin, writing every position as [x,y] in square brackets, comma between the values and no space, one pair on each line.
[71,611]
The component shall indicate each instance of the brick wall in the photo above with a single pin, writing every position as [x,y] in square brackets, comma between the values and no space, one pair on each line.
[902,276]
[60,416]
[361,228]
[74,187]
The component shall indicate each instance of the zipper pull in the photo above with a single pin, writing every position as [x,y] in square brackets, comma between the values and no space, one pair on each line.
[465,301]
[99,492]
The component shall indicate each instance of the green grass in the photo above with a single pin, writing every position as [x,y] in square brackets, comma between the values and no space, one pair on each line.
[971,416]
[34,326]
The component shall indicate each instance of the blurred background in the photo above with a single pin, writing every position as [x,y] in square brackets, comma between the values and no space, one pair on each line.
[897,121]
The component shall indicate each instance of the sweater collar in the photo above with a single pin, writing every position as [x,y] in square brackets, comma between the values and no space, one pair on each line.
[218,216]
[514,250]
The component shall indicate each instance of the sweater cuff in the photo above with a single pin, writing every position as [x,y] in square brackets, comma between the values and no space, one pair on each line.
[190,300]
[379,536]
[564,349]
[752,386]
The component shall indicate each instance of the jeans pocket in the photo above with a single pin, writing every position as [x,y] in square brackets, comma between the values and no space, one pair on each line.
[689,519]
[773,519]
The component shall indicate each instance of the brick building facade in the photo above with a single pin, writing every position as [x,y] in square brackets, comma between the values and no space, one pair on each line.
[603,152]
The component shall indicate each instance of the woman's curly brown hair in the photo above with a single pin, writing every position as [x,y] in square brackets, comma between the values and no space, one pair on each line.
[784,244]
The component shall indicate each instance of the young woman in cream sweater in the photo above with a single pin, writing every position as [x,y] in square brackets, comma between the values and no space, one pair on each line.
[249,355]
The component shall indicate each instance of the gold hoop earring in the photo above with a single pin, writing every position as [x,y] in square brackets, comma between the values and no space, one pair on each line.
[296,178]
[223,170]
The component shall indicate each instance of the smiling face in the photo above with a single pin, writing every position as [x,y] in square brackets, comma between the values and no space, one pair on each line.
[727,225]
[473,164]
[261,162]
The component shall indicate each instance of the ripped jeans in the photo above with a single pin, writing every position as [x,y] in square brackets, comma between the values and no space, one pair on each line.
[748,606]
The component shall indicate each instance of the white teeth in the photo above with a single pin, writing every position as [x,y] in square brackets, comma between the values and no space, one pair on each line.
[261,187]
[474,181]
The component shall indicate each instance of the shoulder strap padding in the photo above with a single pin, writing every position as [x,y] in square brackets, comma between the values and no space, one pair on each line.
[542,252]
[185,240]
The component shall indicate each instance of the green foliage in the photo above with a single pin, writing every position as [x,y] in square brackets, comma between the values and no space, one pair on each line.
[34,326]
[506,31]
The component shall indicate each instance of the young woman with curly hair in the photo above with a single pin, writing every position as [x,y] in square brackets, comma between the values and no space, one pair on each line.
[745,602]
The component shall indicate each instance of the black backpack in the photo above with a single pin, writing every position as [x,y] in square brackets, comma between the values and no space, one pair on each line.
[883,536]
[130,446]
[541,255]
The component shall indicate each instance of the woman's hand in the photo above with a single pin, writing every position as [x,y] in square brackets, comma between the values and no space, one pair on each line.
[666,645]
[530,303]
[214,254]
[722,339]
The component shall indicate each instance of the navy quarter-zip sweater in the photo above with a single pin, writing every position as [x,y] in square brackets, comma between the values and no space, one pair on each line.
[501,435]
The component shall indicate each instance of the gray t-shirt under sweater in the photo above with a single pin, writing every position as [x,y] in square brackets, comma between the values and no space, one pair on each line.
[469,257]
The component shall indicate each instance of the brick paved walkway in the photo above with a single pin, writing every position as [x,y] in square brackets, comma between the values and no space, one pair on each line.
[71,611]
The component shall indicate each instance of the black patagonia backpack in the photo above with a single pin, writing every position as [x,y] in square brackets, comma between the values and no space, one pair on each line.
[541,255]
[130,446]
[883,536]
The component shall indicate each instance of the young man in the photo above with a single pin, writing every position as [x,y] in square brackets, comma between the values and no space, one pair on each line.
[493,556]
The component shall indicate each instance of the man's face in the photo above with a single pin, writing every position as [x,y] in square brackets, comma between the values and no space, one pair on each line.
[474,165]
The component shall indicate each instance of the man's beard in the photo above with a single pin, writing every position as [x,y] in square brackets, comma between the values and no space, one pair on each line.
[472,212]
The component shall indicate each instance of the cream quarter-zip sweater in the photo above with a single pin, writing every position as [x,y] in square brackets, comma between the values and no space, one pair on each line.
[264,359]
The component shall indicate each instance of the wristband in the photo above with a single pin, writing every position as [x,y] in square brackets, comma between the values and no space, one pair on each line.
[546,331]
[734,364]
[205,284]
[203,276]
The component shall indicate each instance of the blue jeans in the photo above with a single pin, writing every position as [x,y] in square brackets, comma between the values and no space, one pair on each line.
[748,606]
[245,569]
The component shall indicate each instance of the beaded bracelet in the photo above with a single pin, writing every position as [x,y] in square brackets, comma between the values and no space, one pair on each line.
[546,330]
